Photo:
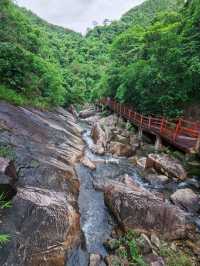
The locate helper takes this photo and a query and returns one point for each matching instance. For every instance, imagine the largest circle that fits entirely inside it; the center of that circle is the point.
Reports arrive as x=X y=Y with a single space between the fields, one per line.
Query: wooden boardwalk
x=180 y=133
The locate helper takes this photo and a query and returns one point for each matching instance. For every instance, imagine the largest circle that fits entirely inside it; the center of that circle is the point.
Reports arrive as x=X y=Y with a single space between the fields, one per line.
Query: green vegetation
x=6 y=152
x=128 y=249
x=150 y=59
x=174 y=258
x=131 y=248
x=156 y=68
x=4 y=204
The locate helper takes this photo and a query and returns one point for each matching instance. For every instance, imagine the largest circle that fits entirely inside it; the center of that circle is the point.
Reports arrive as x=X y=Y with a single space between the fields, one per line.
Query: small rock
x=161 y=179
x=112 y=244
x=142 y=163
x=73 y=111
x=145 y=244
x=154 y=260
x=95 y=260
x=187 y=199
x=194 y=246
x=85 y=161
x=122 y=139
x=155 y=240
x=190 y=183
x=173 y=246
x=7 y=167
x=113 y=260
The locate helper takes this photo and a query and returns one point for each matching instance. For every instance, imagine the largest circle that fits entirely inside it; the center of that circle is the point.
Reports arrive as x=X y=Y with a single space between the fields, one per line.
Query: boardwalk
x=182 y=134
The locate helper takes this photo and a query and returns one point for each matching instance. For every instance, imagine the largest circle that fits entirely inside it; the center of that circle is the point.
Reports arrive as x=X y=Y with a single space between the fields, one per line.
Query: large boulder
x=87 y=113
x=121 y=149
x=46 y=226
x=43 y=221
x=136 y=208
x=99 y=138
x=187 y=199
x=166 y=165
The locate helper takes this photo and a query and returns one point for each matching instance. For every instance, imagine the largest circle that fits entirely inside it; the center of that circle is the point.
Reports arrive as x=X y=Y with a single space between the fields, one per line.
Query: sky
x=78 y=15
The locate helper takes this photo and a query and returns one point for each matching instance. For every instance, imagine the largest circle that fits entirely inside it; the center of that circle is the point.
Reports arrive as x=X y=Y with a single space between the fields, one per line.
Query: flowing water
x=96 y=221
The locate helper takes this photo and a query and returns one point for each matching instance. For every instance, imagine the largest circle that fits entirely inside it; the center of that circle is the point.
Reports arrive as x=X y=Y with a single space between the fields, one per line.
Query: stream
x=96 y=221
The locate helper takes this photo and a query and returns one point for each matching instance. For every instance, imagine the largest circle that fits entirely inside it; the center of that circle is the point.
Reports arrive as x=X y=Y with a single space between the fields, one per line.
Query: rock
x=155 y=240
x=73 y=111
x=129 y=182
x=154 y=260
x=166 y=165
x=87 y=113
x=142 y=163
x=140 y=210
x=122 y=139
x=98 y=135
x=98 y=149
x=190 y=183
x=120 y=149
x=7 y=167
x=112 y=244
x=194 y=246
x=88 y=163
x=113 y=260
x=145 y=244
x=186 y=199
x=95 y=260
x=109 y=121
x=153 y=178
x=43 y=221
x=92 y=120
x=43 y=236
x=99 y=138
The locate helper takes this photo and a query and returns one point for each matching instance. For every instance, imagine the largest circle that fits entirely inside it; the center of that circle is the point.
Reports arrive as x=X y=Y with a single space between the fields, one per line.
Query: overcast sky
x=78 y=14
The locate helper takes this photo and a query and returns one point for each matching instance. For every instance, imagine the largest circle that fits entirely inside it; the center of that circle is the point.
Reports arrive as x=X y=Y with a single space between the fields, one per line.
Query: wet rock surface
x=67 y=192
x=43 y=222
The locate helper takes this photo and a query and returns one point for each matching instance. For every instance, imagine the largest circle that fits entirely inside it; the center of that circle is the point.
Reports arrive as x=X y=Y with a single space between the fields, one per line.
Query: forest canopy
x=149 y=58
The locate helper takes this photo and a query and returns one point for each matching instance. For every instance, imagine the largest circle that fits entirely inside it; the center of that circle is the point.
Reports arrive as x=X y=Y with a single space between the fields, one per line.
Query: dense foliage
x=149 y=58
x=156 y=68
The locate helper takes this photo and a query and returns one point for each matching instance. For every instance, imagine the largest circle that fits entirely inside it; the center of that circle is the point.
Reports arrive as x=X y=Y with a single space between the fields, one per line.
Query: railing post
x=178 y=126
x=197 y=146
x=162 y=125
x=129 y=114
x=149 y=122
x=141 y=120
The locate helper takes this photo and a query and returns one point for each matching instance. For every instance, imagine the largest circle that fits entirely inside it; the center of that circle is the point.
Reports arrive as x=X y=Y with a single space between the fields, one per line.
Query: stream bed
x=96 y=221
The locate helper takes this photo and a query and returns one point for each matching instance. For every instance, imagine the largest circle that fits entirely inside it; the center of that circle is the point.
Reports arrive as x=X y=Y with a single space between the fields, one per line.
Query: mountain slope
x=46 y=65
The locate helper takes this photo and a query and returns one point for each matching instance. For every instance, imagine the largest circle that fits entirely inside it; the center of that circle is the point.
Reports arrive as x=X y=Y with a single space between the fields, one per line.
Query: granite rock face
x=43 y=222
x=138 y=209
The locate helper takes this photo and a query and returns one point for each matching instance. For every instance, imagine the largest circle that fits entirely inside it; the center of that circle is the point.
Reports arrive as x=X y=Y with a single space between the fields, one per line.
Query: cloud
x=78 y=14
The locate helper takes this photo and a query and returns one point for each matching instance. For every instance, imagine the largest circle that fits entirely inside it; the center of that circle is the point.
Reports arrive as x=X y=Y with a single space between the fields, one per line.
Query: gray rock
x=155 y=178
x=135 y=208
x=166 y=165
x=43 y=222
x=145 y=244
x=186 y=199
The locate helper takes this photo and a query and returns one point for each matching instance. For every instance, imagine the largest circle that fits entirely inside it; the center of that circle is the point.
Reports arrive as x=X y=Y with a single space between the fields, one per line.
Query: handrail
x=177 y=131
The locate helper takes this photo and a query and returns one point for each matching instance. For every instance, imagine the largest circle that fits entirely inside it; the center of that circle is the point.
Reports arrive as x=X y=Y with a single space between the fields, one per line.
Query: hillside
x=46 y=65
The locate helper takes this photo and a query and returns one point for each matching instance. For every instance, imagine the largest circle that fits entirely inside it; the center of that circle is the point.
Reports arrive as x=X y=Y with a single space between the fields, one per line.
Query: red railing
x=181 y=133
